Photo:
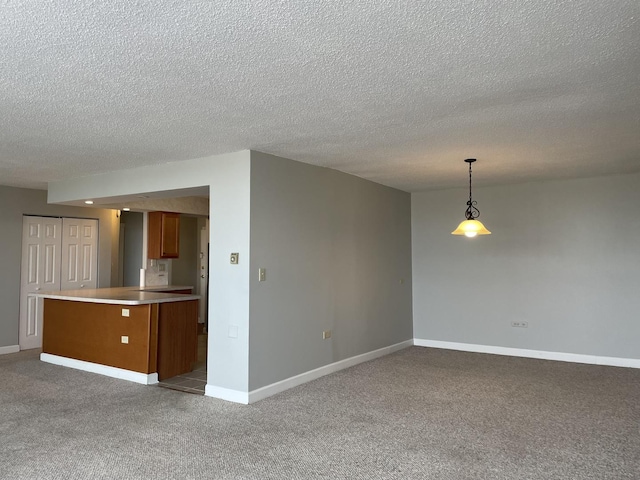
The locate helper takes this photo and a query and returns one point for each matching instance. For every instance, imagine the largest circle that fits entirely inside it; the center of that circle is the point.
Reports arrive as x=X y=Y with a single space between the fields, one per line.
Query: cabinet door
x=170 y=235
x=163 y=235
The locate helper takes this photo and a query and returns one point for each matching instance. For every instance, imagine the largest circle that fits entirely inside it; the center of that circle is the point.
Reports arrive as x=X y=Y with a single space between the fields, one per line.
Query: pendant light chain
x=472 y=212
x=470 y=201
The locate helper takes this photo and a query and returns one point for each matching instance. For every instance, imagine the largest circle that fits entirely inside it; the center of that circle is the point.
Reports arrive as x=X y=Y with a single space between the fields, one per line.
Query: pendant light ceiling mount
x=471 y=226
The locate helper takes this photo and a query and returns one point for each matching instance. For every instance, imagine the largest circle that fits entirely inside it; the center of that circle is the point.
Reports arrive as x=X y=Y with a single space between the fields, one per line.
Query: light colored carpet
x=418 y=413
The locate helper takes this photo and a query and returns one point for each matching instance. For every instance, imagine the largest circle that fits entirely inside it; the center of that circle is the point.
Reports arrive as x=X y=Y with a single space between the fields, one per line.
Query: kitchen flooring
x=194 y=381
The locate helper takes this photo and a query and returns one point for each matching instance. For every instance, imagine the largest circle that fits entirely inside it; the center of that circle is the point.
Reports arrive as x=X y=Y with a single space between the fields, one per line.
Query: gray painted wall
x=184 y=269
x=563 y=256
x=132 y=250
x=335 y=248
x=17 y=202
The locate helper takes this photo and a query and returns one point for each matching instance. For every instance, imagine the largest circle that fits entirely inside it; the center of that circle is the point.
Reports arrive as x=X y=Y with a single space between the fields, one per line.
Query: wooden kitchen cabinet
x=160 y=337
x=163 y=235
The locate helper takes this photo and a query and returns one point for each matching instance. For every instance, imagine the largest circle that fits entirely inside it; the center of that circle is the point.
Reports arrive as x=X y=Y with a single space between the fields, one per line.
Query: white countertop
x=161 y=288
x=122 y=295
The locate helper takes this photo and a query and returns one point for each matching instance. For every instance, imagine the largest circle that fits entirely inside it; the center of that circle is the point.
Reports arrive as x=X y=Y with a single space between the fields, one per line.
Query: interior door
x=203 y=274
x=79 y=253
x=40 y=271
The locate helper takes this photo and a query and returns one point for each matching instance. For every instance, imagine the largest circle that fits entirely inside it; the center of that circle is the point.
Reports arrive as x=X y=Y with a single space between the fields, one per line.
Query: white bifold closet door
x=40 y=271
x=79 y=253
x=57 y=254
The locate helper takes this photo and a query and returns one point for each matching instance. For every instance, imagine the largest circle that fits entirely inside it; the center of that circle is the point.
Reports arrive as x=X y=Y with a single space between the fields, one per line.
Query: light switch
x=125 y=312
x=262 y=274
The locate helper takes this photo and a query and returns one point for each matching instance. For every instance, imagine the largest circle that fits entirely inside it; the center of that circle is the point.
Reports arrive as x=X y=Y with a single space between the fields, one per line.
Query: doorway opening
x=189 y=271
x=194 y=229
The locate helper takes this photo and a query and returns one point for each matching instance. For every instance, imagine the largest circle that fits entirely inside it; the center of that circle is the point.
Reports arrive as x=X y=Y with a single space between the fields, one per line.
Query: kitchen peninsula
x=142 y=334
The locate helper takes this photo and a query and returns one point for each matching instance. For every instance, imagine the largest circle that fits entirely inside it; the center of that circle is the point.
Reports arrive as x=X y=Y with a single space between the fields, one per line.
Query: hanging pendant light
x=471 y=227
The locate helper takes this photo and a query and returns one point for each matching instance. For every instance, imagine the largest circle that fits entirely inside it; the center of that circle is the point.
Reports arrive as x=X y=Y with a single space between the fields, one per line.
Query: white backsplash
x=157 y=273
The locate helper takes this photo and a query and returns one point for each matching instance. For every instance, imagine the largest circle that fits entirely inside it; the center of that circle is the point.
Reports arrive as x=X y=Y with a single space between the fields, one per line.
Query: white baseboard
x=269 y=390
x=541 y=354
x=227 y=394
x=291 y=382
x=9 y=349
x=137 y=377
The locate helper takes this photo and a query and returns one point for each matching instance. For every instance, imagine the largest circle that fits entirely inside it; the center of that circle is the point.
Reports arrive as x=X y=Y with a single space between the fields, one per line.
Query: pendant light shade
x=471 y=226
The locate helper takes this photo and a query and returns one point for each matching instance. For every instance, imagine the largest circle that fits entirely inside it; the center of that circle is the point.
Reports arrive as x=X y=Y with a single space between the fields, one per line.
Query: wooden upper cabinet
x=163 y=235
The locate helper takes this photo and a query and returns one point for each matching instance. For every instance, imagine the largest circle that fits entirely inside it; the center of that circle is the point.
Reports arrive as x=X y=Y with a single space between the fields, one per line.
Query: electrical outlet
x=234 y=258
x=326 y=334
x=125 y=312
x=124 y=339
x=520 y=324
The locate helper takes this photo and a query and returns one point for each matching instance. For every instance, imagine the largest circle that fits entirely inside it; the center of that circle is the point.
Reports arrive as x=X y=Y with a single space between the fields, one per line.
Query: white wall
x=335 y=248
x=563 y=257
x=17 y=202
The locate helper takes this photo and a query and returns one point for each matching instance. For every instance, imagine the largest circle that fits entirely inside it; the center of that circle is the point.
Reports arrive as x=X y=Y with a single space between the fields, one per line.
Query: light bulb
x=470 y=234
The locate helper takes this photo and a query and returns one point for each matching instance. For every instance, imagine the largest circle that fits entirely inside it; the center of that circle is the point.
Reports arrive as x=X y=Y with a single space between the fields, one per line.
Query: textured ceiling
x=392 y=91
